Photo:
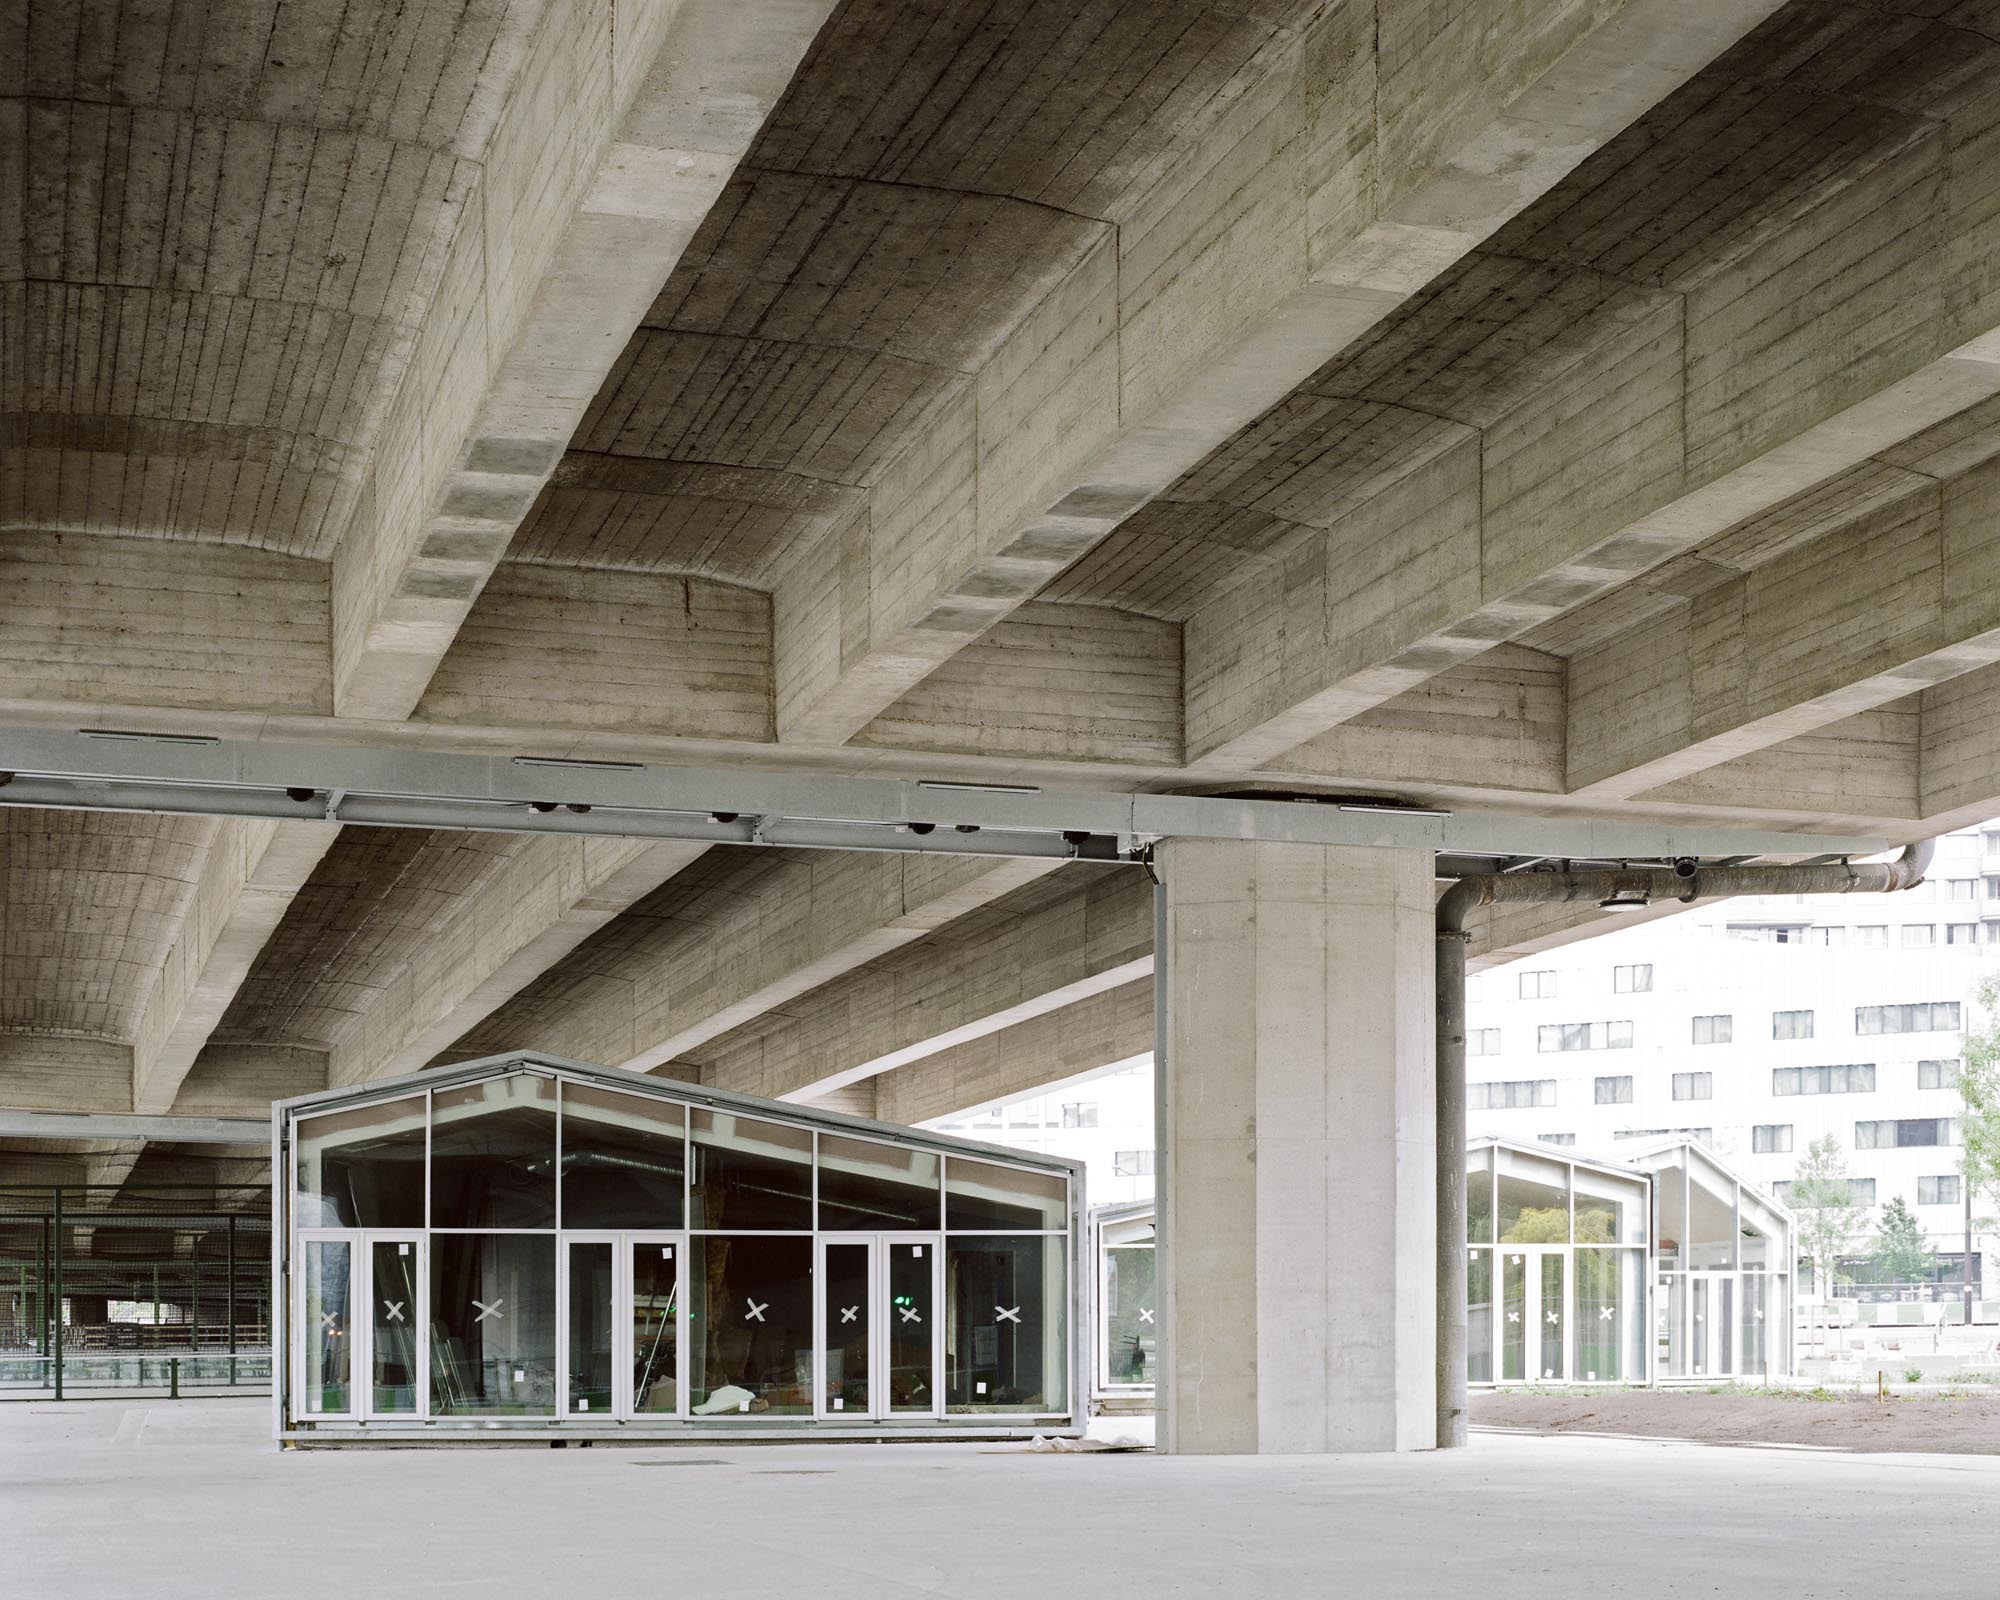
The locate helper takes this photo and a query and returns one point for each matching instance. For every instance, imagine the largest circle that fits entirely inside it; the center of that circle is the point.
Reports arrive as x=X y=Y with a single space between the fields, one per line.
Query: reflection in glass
x=1549 y=1314
x=493 y=1154
x=624 y=1160
x=1479 y=1197
x=363 y=1168
x=912 y=1319
x=979 y=1194
x=590 y=1313
x=749 y=1173
x=1513 y=1316
x=849 y=1316
x=750 y=1325
x=397 y=1303
x=656 y=1281
x=1479 y=1316
x=1131 y=1309
x=493 y=1324
x=327 y=1326
x=1534 y=1201
x=1754 y=1348
x=1005 y=1338
x=869 y=1187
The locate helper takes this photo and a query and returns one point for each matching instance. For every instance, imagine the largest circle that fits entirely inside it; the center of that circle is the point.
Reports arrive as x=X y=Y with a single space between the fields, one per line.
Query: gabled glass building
x=527 y=1243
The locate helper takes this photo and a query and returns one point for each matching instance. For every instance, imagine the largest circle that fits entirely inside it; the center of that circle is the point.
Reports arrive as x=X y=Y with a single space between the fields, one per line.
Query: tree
x=1978 y=1084
x=1823 y=1202
x=1901 y=1253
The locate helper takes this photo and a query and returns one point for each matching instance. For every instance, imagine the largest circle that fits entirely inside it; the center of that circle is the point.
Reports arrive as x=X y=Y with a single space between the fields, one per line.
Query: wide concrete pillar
x=1298 y=1149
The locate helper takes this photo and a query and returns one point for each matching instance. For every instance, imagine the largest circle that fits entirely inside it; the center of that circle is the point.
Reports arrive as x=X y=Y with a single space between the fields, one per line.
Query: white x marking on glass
x=1513 y=1316
x=392 y=1311
x=1145 y=1315
x=1604 y=1315
x=909 y=1313
x=756 y=1312
x=328 y=1318
x=849 y=1313
x=486 y=1311
x=1553 y=1319
x=1005 y=1315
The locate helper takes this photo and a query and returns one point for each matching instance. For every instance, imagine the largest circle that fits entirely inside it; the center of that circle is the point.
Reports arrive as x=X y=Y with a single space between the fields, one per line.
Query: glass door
x=394 y=1297
x=914 y=1329
x=589 y=1321
x=1516 y=1316
x=652 y=1324
x=847 y=1312
x=1712 y=1334
x=324 y=1319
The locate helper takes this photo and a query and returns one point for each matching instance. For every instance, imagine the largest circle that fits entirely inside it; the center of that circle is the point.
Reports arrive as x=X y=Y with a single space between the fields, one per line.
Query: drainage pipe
x=1687 y=882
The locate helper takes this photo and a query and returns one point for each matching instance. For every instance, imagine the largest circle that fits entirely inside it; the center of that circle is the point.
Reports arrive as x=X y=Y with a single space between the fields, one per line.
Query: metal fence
x=156 y=1286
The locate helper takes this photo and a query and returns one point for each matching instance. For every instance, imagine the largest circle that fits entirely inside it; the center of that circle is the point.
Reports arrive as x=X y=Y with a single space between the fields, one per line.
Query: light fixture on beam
x=1625 y=900
x=1389 y=808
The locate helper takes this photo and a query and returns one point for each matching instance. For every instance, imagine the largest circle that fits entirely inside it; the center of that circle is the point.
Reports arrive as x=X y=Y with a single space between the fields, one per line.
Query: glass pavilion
x=1665 y=1269
x=529 y=1242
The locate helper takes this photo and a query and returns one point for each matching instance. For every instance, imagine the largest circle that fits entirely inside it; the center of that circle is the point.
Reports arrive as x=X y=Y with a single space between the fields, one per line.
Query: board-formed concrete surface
x=190 y=1500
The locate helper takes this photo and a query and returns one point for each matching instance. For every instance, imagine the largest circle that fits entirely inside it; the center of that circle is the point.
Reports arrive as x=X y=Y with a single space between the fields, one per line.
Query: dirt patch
x=1953 y=1422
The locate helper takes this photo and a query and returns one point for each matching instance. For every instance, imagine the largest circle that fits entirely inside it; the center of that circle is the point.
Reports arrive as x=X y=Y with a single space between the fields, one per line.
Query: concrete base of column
x=1298 y=1150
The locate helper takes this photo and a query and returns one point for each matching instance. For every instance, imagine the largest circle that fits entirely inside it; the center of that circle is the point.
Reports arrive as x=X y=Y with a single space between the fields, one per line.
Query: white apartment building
x=1759 y=1025
x=1104 y=1121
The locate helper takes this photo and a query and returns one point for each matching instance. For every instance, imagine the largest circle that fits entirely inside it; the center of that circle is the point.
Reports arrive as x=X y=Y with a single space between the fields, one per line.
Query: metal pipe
x=57 y=1337
x=1635 y=887
x=1451 y=1292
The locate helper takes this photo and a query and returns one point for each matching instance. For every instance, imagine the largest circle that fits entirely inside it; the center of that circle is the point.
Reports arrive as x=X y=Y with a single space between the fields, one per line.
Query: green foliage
x=1901 y=1253
x=1978 y=1084
x=1539 y=1225
x=1829 y=1220
x=1913 y=1375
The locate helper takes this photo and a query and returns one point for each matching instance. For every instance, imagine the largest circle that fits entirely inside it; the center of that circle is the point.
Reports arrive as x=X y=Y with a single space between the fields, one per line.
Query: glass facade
x=531 y=1241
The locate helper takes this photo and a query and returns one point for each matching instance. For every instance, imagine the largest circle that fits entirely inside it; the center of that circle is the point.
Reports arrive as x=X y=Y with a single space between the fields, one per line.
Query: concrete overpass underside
x=1579 y=409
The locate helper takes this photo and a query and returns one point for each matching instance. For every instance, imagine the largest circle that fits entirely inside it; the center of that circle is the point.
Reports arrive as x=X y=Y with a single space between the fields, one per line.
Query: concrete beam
x=1084 y=932
x=1897 y=596
x=743 y=934
x=1362 y=157
x=1027 y=1057
x=252 y=872
x=1648 y=400
x=611 y=150
x=113 y=1125
x=526 y=918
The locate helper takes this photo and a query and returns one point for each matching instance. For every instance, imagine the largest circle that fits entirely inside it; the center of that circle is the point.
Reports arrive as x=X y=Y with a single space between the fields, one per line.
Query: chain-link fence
x=160 y=1286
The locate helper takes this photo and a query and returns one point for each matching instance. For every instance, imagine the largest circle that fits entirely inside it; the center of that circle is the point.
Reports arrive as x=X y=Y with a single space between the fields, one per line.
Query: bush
x=1913 y=1375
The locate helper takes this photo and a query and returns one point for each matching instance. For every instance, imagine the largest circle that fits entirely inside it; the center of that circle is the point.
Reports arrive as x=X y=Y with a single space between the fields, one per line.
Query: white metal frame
x=362 y=1292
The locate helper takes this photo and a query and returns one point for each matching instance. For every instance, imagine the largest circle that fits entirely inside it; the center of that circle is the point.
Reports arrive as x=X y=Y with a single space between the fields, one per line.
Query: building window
x=1081 y=1115
x=1694 y=1086
x=1561 y=1036
x=1637 y=979
x=1905 y=1133
x=1703 y=1135
x=1614 y=1091
x=1781 y=1191
x=1835 y=937
x=1714 y=1030
x=1875 y=937
x=1961 y=933
x=1934 y=1016
x=1791 y=1024
x=1538 y=985
x=1768 y=933
x=1936 y=1074
x=1919 y=936
x=1993 y=886
x=1555 y=1138
x=1964 y=888
x=1771 y=1139
x=1511 y=1096
x=1853 y=1078
x=1133 y=1164
x=1939 y=1191
x=1861 y=1191
x=1482 y=1041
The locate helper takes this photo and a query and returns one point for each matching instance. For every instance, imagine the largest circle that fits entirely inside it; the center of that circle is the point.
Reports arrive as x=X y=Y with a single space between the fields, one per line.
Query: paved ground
x=189 y=1500
x=1948 y=1421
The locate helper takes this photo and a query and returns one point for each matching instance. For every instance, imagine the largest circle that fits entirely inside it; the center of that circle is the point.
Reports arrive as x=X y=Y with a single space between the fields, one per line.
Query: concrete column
x=1298 y=1150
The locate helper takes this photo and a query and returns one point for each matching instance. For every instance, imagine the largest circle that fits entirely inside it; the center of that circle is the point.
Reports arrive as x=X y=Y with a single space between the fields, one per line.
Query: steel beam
x=101 y=770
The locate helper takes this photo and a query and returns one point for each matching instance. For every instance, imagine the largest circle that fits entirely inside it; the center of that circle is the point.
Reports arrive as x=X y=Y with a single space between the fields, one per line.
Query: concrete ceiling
x=1587 y=408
